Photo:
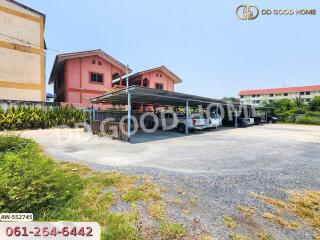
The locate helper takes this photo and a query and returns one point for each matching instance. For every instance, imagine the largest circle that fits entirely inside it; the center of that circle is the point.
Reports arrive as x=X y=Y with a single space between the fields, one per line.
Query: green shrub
x=313 y=114
x=309 y=120
x=17 y=118
x=314 y=104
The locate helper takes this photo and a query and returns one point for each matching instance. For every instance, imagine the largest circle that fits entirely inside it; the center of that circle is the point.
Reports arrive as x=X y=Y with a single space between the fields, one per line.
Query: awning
x=154 y=96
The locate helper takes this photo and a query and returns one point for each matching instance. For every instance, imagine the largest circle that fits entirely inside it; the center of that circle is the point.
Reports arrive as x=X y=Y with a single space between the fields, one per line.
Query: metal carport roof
x=154 y=96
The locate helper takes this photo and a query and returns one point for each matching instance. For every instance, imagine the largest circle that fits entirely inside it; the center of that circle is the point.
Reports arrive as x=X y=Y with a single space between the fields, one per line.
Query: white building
x=22 y=52
x=257 y=97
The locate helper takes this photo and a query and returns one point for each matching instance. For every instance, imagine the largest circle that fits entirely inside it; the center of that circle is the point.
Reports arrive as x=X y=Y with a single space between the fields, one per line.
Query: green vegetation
x=57 y=191
x=308 y=120
x=18 y=118
x=172 y=231
x=156 y=211
x=234 y=236
x=229 y=222
x=297 y=110
x=32 y=182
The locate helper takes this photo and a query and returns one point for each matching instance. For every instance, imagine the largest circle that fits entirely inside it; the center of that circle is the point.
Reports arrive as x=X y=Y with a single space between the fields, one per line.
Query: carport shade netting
x=154 y=96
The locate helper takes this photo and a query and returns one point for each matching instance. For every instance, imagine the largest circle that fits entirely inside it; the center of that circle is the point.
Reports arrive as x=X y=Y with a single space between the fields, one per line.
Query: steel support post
x=187 y=117
x=129 y=115
x=236 y=119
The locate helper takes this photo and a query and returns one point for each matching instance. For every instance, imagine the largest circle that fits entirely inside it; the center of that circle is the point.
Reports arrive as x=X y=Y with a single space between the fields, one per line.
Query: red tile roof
x=281 y=90
x=61 y=58
x=165 y=70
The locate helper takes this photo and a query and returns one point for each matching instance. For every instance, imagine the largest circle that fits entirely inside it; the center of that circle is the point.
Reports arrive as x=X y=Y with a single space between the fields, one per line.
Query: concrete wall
x=21 y=53
x=5 y=104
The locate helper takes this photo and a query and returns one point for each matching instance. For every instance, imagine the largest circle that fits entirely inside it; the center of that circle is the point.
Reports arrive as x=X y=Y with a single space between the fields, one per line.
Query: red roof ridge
x=281 y=90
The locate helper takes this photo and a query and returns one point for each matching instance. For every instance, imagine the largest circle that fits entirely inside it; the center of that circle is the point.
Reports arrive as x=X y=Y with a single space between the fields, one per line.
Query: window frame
x=96 y=73
x=161 y=84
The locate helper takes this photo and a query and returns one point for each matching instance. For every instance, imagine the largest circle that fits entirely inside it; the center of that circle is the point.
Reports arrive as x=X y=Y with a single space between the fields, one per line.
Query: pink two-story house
x=79 y=76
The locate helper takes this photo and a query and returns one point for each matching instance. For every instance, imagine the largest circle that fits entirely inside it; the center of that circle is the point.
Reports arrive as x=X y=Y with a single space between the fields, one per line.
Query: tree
x=314 y=104
x=231 y=99
x=300 y=105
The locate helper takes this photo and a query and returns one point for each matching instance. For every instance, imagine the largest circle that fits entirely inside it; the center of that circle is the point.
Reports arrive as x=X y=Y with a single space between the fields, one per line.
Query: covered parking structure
x=149 y=96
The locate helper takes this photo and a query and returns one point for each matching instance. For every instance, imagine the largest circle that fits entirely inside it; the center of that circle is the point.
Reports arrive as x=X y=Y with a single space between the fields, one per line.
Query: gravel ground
x=217 y=170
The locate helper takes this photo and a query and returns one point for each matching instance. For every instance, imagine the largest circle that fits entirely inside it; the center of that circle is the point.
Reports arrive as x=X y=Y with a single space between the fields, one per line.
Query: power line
x=30 y=43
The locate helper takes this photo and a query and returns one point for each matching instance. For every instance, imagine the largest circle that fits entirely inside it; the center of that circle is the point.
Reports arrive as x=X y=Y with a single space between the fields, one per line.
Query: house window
x=99 y=63
x=258 y=95
x=93 y=61
x=286 y=94
x=96 y=78
x=159 y=86
x=308 y=93
x=253 y=95
x=241 y=96
x=271 y=95
x=161 y=75
x=301 y=93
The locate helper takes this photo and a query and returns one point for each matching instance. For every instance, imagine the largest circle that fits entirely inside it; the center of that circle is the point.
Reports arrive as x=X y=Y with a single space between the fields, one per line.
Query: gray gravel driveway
x=218 y=170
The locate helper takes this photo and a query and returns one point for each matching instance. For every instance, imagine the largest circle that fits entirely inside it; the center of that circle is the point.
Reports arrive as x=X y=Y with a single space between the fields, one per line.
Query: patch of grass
x=120 y=227
x=262 y=235
x=31 y=182
x=156 y=211
x=306 y=205
x=271 y=201
x=206 y=237
x=172 y=231
x=54 y=191
x=229 y=222
x=76 y=168
x=280 y=221
x=133 y=195
x=248 y=212
x=234 y=236
x=146 y=191
x=175 y=201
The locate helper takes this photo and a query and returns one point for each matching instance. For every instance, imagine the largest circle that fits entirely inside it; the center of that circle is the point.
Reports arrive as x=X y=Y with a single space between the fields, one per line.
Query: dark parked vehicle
x=241 y=122
x=270 y=119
